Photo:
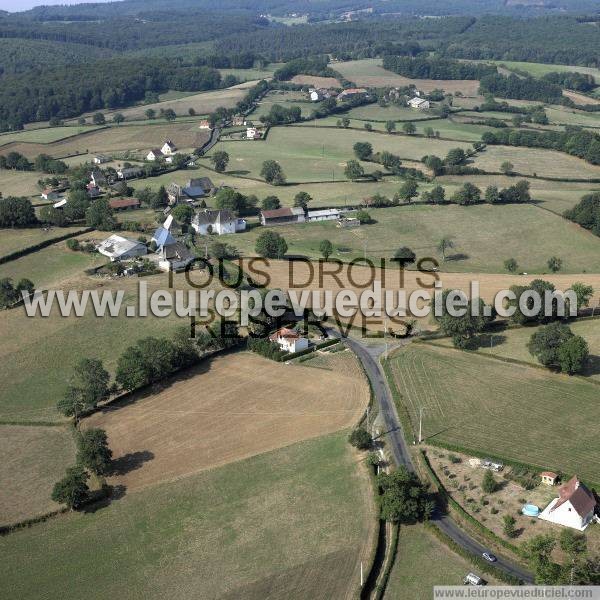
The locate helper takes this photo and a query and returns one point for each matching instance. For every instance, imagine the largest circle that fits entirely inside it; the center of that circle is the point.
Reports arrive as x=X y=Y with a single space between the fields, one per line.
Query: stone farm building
x=220 y=222
x=195 y=189
x=124 y=203
x=282 y=216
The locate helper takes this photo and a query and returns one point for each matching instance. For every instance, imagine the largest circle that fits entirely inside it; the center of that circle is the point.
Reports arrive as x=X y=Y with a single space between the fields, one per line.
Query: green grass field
x=45 y=135
x=374 y=112
x=512 y=343
x=12 y=240
x=422 y=561
x=540 y=69
x=287 y=99
x=530 y=161
x=306 y=156
x=511 y=411
x=34 y=459
x=251 y=74
x=565 y=116
x=20 y=183
x=480 y=235
x=288 y=523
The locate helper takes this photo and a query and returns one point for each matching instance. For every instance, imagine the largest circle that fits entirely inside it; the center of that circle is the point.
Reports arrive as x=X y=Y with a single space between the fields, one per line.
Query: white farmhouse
x=289 y=340
x=168 y=148
x=154 y=154
x=174 y=256
x=120 y=248
x=419 y=103
x=220 y=222
x=574 y=506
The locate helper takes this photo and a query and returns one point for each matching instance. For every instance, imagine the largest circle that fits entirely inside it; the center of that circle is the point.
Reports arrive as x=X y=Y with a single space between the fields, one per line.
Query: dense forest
x=70 y=91
x=521 y=88
x=435 y=68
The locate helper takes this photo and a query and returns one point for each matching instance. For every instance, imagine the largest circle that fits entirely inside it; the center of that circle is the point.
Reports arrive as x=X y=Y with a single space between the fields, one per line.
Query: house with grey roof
x=117 y=247
x=220 y=222
x=195 y=189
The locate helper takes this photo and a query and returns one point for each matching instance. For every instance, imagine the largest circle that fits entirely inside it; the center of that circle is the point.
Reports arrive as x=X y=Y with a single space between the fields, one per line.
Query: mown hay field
x=19 y=183
x=305 y=156
x=34 y=458
x=45 y=135
x=368 y=72
x=321 y=82
x=135 y=138
x=12 y=240
x=226 y=409
x=530 y=161
x=479 y=234
x=509 y=410
x=294 y=523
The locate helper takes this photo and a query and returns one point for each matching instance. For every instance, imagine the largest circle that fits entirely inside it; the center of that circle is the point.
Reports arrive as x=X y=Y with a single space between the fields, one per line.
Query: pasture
x=532 y=161
x=32 y=378
x=313 y=80
x=512 y=411
x=306 y=157
x=479 y=234
x=34 y=458
x=45 y=135
x=134 y=138
x=19 y=183
x=12 y=240
x=294 y=523
x=368 y=72
x=412 y=575
x=287 y=99
x=267 y=404
x=512 y=343
x=567 y=116
x=392 y=112
x=541 y=69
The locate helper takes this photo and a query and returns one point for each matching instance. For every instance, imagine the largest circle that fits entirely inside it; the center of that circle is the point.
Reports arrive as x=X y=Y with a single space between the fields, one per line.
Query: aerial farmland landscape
x=299 y=299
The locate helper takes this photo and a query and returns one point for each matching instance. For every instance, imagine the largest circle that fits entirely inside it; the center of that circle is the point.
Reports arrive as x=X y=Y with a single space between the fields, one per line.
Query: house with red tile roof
x=574 y=507
x=289 y=340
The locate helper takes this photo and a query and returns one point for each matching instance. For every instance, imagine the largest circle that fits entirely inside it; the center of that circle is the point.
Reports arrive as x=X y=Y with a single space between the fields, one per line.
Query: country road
x=369 y=356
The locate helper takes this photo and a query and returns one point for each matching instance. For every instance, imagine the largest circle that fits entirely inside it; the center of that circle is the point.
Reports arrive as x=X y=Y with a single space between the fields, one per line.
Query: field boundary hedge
x=41 y=245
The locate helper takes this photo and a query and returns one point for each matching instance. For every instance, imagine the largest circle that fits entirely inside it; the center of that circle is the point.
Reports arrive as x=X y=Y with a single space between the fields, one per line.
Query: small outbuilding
x=117 y=247
x=282 y=216
x=549 y=478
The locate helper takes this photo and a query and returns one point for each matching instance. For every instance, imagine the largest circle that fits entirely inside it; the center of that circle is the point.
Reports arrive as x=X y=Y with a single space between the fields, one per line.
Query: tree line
x=521 y=88
x=435 y=68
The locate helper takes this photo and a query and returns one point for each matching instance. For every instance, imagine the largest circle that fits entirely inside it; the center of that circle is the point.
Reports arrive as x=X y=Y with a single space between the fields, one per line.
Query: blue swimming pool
x=530 y=510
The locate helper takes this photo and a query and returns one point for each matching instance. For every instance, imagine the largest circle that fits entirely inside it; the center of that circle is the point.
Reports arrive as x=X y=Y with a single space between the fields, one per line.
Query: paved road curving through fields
x=369 y=357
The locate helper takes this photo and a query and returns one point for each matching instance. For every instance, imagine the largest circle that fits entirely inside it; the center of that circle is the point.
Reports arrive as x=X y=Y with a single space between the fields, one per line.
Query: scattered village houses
x=124 y=203
x=282 y=216
x=351 y=92
x=168 y=148
x=419 y=103
x=100 y=159
x=253 y=133
x=574 y=506
x=238 y=121
x=117 y=247
x=50 y=194
x=204 y=124
x=129 y=172
x=318 y=94
x=219 y=222
x=289 y=340
x=97 y=178
x=196 y=188
x=93 y=191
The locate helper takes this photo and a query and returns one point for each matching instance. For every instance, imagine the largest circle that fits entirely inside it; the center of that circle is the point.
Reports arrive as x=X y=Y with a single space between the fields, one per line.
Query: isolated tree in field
x=368 y=127
x=390 y=126
x=492 y=195
x=444 y=245
x=272 y=172
x=584 y=294
x=271 y=203
x=354 y=170
x=508 y=526
x=405 y=255
x=72 y=489
x=270 y=244
x=220 y=160
x=555 y=264
x=93 y=452
x=363 y=217
x=507 y=167
x=573 y=354
x=89 y=385
x=183 y=213
x=98 y=119
x=363 y=150
x=150 y=113
x=301 y=200
x=456 y=156
x=191 y=111
x=489 y=484
x=408 y=190
x=429 y=132
x=403 y=497
x=118 y=118
x=434 y=163
x=326 y=248
x=345 y=122
x=169 y=114
x=360 y=438
x=511 y=265
x=409 y=128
